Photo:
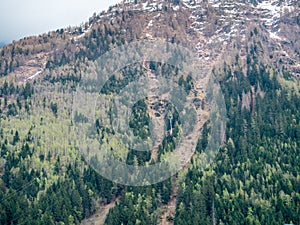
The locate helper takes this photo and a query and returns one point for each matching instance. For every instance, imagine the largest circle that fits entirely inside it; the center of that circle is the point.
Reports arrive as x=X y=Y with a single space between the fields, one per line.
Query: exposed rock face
x=211 y=28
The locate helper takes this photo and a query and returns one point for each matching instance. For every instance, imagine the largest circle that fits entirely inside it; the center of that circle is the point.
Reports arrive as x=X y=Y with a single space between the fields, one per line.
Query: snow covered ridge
x=144 y=5
x=274 y=9
x=151 y=5
x=274 y=5
x=232 y=14
x=268 y=12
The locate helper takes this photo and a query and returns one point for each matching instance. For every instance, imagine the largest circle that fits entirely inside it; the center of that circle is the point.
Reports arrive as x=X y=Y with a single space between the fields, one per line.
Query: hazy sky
x=20 y=18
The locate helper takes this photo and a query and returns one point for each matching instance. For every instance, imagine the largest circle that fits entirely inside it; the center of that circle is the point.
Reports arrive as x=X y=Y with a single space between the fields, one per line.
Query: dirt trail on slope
x=187 y=147
x=169 y=210
x=99 y=217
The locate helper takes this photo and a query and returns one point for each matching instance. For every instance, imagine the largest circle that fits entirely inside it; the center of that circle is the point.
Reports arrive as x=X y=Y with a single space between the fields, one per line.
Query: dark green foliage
x=12 y=109
x=98 y=184
x=254 y=180
x=16 y=138
x=28 y=90
x=54 y=109
x=78 y=117
x=176 y=2
x=140 y=157
x=140 y=120
x=138 y=204
x=127 y=74
x=62 y=199
x=203 y=141
x=64 y=78
x=129 y=212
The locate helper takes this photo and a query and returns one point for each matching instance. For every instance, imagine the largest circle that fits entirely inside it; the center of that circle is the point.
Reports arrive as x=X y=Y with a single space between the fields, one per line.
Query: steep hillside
x=253 y=50
x=208 y=25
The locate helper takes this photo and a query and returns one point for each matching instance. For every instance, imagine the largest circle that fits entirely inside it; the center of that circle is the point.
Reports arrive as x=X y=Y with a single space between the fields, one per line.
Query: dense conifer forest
x=254 y=178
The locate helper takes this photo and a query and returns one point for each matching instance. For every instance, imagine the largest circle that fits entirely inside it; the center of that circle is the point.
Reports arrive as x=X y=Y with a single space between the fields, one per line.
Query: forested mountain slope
x=251 y=47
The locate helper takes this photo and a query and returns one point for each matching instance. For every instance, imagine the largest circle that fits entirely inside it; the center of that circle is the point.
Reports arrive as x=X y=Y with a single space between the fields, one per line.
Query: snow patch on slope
x=33 y=76
x=274 y=35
